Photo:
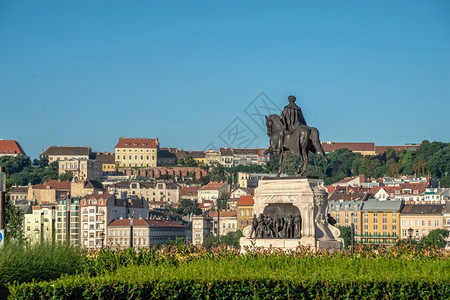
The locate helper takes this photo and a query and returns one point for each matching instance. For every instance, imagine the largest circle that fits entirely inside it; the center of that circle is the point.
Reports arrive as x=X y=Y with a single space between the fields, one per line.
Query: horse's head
x=273 y=122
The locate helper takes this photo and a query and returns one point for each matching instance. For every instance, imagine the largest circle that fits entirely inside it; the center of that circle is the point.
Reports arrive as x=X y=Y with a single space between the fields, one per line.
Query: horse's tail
x=316 y=142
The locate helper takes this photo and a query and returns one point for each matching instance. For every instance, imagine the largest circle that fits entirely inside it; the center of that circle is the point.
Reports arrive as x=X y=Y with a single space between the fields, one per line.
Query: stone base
x=288 y=244
x=282 y=197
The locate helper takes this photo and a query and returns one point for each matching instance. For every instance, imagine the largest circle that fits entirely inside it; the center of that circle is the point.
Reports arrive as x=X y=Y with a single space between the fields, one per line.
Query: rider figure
x=292 y=116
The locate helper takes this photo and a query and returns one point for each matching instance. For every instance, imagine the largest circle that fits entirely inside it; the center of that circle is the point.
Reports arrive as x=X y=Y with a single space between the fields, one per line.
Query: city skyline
x=88 y=73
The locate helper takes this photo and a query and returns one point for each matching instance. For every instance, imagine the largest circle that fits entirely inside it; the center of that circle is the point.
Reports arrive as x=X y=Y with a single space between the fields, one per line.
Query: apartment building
x=137 y=152
x=98 y=210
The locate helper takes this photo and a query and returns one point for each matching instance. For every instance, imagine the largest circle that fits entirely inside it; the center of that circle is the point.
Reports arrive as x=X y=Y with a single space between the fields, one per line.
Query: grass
x=293 y=269
x=39 y=262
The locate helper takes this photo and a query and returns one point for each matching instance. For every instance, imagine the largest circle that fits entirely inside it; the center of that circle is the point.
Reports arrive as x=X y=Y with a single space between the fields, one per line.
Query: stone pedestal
x=305 y=196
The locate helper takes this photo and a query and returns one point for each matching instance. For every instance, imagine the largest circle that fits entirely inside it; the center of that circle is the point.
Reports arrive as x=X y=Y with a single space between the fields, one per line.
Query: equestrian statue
x=290 y=133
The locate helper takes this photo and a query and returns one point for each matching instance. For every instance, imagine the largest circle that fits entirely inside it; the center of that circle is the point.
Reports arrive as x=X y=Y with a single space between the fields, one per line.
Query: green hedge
x=264 y=277
x=110 y=288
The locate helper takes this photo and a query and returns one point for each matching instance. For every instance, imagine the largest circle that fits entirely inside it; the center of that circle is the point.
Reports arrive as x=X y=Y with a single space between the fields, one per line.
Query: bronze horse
x=299 y=141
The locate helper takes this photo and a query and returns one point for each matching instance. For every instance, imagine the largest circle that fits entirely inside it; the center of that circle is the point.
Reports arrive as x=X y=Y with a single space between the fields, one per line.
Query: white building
x=98 y=210
x=212 y=191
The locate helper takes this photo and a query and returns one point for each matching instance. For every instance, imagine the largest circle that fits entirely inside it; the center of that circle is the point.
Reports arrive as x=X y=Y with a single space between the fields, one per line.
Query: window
x=436 y=223
x=429 y=223
x=423 y=223
x=404 y=232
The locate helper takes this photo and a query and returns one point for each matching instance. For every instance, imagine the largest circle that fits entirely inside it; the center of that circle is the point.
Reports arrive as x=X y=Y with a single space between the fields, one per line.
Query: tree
x=13 y=218
x=188 y=161
x=420 y=168
x=68 y=175
x=188 y=207
x=435 y=238
x=394 y=170
x=346 y=234
x=217 y=173
x=222 y=201
x=290 y=164
x=230 y=239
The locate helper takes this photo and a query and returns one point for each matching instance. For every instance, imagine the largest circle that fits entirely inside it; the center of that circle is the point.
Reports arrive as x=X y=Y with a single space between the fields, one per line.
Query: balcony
x=100 y=213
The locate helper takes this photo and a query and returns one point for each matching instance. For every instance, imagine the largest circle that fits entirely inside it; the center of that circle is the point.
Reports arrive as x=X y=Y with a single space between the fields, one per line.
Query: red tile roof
x=137 y=143
x=54 y=184
x=224 y=214
x=331 y=146
x=212 y=186
x=10 y=147
x=382 y=149
x=226 y=151
x=189 y=190
x=245 y=200
x=19 y=190
x=144 y=222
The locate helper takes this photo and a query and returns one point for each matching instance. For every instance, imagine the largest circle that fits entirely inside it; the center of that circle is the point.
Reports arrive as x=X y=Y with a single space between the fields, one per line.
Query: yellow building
x=380 y=222
x=374 y=221
x=198 y=156
x=245 y=212
x=137 y=152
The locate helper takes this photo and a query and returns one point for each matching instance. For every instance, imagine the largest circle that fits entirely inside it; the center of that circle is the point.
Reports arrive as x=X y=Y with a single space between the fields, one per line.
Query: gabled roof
x=105 y=158
x=245 y=200
x=92 y=184
x=19 y=190
x=196 y=154
x=54 y=184
x=67 y=150
x=189 y=190
x=226 y=151
x=10 y=147
x=212 y=186
x=137 y=143
x=423 y=209
x=165 y=154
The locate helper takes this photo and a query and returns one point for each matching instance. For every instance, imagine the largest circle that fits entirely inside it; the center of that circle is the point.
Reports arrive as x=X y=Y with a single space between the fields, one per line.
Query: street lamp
x=410 y=233
x=102 y=238
x=352 y=237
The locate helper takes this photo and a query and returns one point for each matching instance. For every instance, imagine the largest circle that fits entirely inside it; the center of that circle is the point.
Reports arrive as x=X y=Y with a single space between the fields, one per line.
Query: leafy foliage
x=435 y=238
x=21 y=172
x=187 y=207
x=346 y=234
x=39 y=262
x=217 y=173
x=185 y=271
x=230 y=239
x=188 y=161
x=430 y=157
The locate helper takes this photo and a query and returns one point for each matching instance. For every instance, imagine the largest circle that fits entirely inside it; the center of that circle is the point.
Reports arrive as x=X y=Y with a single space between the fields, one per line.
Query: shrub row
x=113 y=288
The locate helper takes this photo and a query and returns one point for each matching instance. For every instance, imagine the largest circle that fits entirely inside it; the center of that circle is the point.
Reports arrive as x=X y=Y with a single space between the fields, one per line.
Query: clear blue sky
x=88 y=72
